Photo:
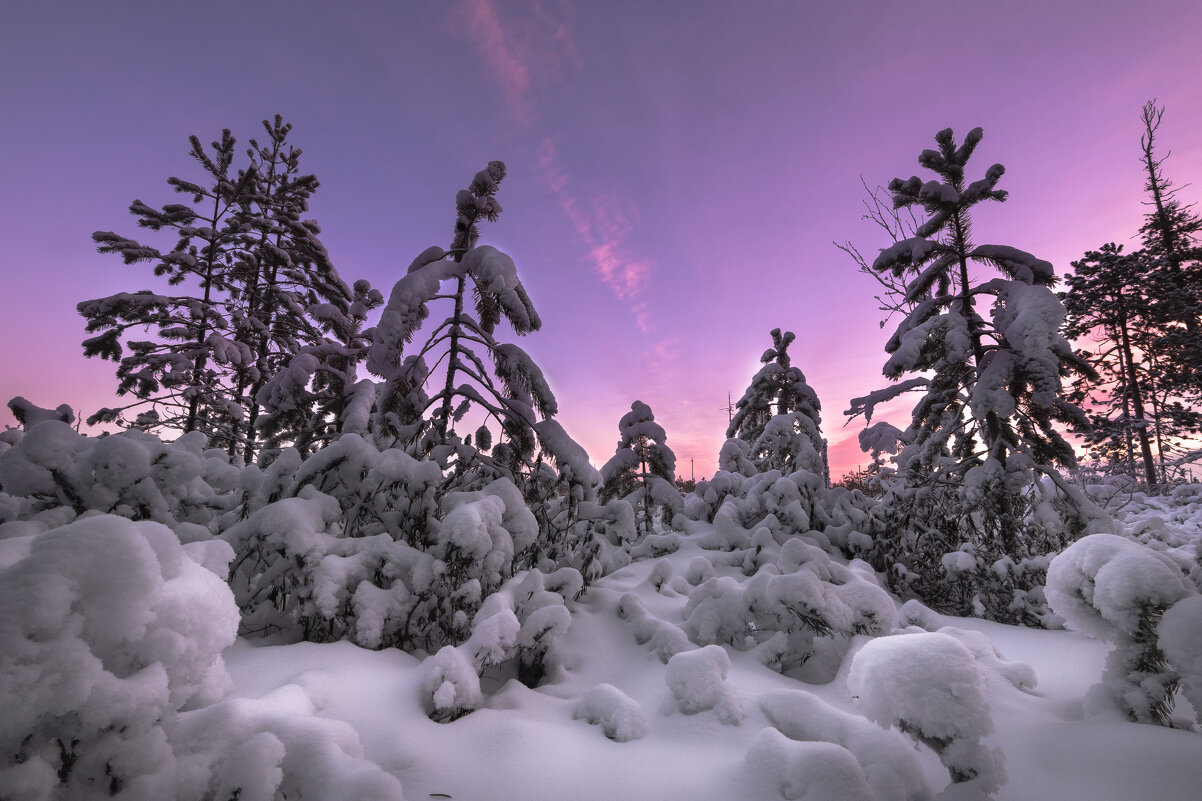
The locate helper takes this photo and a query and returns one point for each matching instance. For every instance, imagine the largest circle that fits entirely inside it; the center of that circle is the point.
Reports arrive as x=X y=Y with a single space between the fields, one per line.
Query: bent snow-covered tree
x=779 y=390
x=983 y=433
x=643 y=468
x=445 y=381
x=257 y=288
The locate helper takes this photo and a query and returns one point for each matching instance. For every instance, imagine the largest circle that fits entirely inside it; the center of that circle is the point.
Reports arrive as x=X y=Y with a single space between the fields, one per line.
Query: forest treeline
x=256 y=342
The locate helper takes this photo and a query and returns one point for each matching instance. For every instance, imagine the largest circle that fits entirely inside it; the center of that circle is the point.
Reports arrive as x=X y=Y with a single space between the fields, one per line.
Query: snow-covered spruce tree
x=427 y=392
x=780 y=390
x=302 y=321
x=968 y=503
x=258 y=287
x=642 y=469
x=1109 y=300
x=446 y=382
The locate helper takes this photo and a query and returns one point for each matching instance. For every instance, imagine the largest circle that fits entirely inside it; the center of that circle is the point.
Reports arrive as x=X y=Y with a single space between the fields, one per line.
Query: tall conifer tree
x=983 y=431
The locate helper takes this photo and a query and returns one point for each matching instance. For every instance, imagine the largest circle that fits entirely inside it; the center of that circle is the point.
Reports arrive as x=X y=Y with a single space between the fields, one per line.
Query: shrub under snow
x=1180 y=637
x=1115 y=589
x=697 y=680
x=111 y=634
x=809 y=771
x=929 y=686
x=618 y=715
x=107 y=629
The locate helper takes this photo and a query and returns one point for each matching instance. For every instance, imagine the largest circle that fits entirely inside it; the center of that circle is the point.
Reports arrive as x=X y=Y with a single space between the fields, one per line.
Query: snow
x=697 y=680
x=888 y=760
x=812 y=771
x=618 y=715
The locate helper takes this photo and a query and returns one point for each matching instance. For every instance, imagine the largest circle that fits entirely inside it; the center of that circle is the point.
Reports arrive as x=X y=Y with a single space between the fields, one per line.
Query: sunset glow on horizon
x=678 y=173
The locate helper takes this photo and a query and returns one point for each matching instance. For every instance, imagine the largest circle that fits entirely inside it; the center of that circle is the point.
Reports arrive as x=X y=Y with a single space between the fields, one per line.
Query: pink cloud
x=603 y=227
x=844 y=454
x=500 y=55
x=514 y=51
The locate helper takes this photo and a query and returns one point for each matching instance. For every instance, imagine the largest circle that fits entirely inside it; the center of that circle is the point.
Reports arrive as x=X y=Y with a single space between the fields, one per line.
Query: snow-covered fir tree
x=779 y=390
x=984 y=433
x=429 y=391
x=433 y=390
x=258 y=288
x=642 y=469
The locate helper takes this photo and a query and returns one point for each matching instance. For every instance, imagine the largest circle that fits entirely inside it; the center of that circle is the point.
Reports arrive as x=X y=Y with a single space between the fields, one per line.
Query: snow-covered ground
x=1061 y=739
x=721 y=664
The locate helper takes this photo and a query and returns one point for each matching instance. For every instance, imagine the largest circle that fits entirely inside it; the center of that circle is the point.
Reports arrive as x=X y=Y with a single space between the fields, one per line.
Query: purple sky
x=677 y=170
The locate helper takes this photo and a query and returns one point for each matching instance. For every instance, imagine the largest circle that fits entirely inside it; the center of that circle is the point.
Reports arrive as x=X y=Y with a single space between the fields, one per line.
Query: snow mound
x=618 y=715
x=887 y=759
x=697 y=680
x=813 y=771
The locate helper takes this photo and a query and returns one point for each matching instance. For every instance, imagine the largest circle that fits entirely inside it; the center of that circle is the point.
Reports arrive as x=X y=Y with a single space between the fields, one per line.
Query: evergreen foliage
x=1170 y=234
x=1133 y=418
x=779 y=390
x=259 y=295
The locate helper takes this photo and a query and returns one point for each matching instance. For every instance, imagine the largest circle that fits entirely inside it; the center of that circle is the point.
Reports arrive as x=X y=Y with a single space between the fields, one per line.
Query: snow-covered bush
x=1112 y=588
x=452 y=684
x=517 y=625
x=414 y=578
x=704 y=502
x=111 y=680
x=697 y=680
x=274 y=747
x=107 y=629
x=618 y=715
x=796 y=595
x=1180 y=638
x=132 y=474
x=664 y=639
x=929 y=686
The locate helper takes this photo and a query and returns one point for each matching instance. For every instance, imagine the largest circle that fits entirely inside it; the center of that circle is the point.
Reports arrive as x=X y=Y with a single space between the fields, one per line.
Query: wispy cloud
x=502 y=56
x=602 y=224
x=536 y=43
x=513 y=50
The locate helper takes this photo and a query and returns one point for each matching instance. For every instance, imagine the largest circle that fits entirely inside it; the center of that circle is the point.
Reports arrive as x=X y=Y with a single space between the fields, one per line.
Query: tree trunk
x=444 y=418
x=1145 y=447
